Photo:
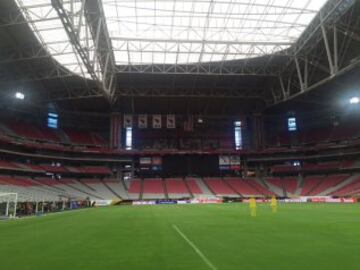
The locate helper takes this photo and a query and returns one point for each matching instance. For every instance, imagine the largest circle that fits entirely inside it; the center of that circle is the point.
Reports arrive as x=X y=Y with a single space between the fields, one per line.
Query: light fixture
x=354 y=100
x=19 y=95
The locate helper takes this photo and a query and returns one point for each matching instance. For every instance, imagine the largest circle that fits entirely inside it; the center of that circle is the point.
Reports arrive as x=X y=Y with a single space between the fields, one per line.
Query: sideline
x=45 y=215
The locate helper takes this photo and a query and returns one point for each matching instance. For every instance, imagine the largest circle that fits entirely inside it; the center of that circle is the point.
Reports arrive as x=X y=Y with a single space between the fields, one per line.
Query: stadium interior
x=118 y=102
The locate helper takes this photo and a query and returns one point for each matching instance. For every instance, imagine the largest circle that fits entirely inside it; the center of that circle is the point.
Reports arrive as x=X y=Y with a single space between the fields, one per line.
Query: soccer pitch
x=201 y=237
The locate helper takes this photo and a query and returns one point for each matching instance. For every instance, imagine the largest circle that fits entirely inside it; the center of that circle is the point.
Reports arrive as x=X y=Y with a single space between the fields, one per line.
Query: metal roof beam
x=95 y=17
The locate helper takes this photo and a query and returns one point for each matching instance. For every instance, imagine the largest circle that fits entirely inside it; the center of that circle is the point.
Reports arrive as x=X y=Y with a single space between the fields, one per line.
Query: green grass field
x=302 y=237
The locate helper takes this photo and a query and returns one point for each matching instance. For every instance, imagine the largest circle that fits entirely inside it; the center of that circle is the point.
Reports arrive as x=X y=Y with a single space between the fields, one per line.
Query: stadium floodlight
x=354 y=100
x=19 y=95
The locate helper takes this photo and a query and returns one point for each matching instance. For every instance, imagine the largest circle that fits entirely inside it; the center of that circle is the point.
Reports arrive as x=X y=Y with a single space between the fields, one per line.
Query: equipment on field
x=8 y=203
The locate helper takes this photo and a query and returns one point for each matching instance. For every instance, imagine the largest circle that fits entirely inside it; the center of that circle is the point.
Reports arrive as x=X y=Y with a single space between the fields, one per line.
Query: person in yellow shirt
x=273 y=204
x=252 y=205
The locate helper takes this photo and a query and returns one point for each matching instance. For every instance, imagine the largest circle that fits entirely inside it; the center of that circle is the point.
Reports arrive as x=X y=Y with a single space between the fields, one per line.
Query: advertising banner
x=156 y=121
x=170 y=121
x=128 y=120
x=142 y=121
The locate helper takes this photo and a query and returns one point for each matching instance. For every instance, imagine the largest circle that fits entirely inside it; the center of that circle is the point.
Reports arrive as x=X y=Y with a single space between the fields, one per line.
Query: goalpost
x=8 y=204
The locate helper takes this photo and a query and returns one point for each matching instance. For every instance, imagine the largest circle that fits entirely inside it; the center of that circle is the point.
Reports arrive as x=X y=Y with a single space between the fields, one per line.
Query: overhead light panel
x=354 y=100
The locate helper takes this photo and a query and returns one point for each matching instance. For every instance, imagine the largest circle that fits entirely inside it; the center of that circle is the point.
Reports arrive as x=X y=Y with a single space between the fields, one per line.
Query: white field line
x=195 y=248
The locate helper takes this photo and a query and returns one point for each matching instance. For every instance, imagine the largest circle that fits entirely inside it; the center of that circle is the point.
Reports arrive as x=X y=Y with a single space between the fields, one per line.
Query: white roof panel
x=204 y=30
x=178 y=31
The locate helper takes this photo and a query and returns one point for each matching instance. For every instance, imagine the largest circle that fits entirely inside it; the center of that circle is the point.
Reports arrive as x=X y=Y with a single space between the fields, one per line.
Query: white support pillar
x=15 y=204
x=283 y=88
x=306 y=74
x=336 y=52
x=7 y=208
x=328 y=51
x=299 y=74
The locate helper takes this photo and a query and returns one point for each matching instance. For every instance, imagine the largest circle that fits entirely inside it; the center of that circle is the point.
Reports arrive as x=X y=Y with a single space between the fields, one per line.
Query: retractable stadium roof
x=266 y=51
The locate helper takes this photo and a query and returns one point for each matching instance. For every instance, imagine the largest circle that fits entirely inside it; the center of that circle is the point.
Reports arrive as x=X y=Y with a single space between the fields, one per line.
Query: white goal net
x=8 y=203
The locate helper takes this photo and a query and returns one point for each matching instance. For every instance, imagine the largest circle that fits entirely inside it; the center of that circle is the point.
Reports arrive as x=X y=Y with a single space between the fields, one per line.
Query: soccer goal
x=8 y=203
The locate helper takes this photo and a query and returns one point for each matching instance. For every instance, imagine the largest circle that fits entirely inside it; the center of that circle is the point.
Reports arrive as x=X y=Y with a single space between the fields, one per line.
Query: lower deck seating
x=42 y=188
x=176 y=188
x=289 y=185
x=258 y=187
x=153 y=188
x=219 y=187
x=117 y=186
x=327 y=182
x=247 y=187
x=29 y=190
x=97 y=187
x=352 y=188
x=310 y=183
x=193 y=186
x=134 y=189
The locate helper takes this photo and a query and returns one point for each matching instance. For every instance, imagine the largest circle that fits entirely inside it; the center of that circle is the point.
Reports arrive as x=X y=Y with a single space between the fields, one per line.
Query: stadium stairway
x=204 y=188
x=118 y=187
x=176 y=188
x=232 y=188
x=63 y=136
x=86 y=186
x=6 y=130
x=290 y=186
x=316 y=186
x=310 y=183
x=111 y=190
x=218 y=186
x=165 y=189
x=99 y=188
x=135 y=189
x=188 y=188
x=72 y=187
x=194 y=187
x=300 y=185
x=275 y=187
x=141 y=193
x=257 y=185
x=245 y=187
x=126 y=184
